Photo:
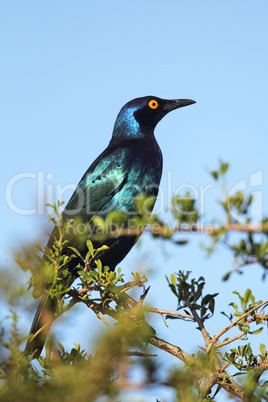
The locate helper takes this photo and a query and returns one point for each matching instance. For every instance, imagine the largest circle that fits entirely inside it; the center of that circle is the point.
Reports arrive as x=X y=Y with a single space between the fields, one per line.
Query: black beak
x=176 y=103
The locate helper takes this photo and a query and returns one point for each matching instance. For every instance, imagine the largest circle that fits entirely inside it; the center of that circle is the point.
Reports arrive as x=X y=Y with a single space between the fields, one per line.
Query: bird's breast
x=144 y=169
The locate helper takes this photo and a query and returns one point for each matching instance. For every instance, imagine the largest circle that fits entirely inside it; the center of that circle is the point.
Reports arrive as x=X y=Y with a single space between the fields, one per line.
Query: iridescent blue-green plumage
x=130 y=166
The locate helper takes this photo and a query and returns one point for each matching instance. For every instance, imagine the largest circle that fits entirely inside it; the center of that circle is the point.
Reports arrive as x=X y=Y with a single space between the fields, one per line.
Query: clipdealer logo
x=48 y=192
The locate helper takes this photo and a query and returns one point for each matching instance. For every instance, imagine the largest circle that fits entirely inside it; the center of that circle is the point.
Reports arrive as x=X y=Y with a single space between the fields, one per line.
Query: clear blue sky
x=67 y=67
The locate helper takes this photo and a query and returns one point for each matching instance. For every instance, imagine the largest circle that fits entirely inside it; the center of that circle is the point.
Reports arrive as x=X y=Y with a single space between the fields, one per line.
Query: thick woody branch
x=215 y=377
x=175 y=351
x=157 y=229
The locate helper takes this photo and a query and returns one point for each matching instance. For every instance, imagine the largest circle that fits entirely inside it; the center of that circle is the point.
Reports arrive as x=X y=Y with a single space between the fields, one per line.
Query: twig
x=100 y=317
x=129 y=285
x=86 y=290
x=259 y=366
x=216 y=337
x=219 y=345
x=142 y=297
x=140 y=354
x=258 y=316
x=225 y=367
x=49 y=323
x=200 y=323
x=167 y=312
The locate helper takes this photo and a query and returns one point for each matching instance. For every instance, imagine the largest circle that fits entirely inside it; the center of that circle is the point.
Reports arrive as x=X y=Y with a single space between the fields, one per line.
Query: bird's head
x=140 y=116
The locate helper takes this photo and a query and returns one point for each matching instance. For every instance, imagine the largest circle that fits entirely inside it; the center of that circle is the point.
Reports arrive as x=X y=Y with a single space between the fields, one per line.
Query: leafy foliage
x=223 y=362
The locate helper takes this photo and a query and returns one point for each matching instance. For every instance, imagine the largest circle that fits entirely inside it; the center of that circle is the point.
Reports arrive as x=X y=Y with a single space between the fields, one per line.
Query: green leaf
x=247 y=296
x=203 y=311
x=247 y=351
x=212 y=305
x=39 y=248
x=181 y=242
x=224 y=167
x=173 y=279
x=102 y=248
x=94 y=274
x=76 y=252
x=90 y=247
x=99 y=266
x=23 y=265
x=263 y=248
x=234 y=305
x=263 y=349
x=61 y=347
x=227 y=276
x=115 y=219
x=257 y=331
x=99 y=223
x=214 y=174
x=206 y=299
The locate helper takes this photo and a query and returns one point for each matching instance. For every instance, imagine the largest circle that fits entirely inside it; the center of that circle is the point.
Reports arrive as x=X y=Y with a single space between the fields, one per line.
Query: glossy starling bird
x=131 y=165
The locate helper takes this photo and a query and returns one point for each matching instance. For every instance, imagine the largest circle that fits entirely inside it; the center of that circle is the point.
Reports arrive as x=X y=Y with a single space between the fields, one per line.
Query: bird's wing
x=96 y=189
x=94 y=195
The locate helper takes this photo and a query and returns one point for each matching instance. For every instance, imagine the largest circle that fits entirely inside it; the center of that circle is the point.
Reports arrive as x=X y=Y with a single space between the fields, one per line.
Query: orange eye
x=153 y=104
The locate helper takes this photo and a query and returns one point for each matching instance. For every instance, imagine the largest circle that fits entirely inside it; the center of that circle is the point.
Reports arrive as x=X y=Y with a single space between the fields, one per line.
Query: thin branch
x=225 y=367
x=258 y=316
x=200 y=323
x=100 y=317
x=122 y=384
x=49 y=323
x=167 y=312
x=259 y=366
x=130 y=285
x=216 y=337
x=139 y=354
x=242 y=228
x=219 y=345
x=86 y=290
x=142 y=297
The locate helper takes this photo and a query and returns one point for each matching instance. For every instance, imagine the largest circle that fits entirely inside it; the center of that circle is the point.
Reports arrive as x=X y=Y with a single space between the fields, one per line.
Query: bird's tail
x=43 y=319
